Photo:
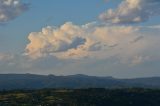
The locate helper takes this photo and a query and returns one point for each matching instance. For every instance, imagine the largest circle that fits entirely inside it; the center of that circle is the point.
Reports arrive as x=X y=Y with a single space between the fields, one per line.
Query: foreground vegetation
x=81 y=97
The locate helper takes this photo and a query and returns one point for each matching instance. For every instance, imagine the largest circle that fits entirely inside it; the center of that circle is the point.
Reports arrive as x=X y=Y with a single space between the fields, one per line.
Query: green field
x=81 y=97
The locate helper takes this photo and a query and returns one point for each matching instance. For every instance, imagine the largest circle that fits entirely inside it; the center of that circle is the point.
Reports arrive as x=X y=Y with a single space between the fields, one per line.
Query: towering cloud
x=10 y=9
x=132 y=11
x=71 y=41
x=53 y=41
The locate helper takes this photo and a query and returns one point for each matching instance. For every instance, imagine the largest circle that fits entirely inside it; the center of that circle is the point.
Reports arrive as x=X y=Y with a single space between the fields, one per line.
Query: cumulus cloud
x=72 y=49
x=55 y=40
x=73 y=41
x=10 y=9
x=132 y=11
x=70 y=41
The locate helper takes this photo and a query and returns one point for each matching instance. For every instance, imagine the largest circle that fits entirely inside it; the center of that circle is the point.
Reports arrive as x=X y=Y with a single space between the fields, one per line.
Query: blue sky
x=44 y=13
x=99 y=37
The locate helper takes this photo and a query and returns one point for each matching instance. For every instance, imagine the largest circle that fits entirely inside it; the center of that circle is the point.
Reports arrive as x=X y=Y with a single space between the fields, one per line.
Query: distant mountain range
x=31 y=81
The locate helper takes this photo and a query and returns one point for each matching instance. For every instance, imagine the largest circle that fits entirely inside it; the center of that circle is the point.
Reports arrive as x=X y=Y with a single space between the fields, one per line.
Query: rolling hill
x=31 y=81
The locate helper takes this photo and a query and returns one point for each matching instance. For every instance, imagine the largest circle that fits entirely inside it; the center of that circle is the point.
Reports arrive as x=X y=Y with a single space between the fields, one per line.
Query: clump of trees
x=81 y=97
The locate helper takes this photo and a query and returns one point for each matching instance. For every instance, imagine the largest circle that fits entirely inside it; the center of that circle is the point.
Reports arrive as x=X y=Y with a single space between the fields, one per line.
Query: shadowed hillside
x=30 y=81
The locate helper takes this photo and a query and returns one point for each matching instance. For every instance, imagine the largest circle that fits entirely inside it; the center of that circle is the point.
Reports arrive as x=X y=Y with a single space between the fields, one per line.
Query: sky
x=118 y=38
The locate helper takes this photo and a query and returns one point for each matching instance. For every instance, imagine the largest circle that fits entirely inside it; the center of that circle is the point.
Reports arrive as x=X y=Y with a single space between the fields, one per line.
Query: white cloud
x=73 y=41
x=10 y=9
x=69 y=41
x=55 y=40
x=5 y=56
x=132 y=11
x=154 y=26
x=90 y=48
